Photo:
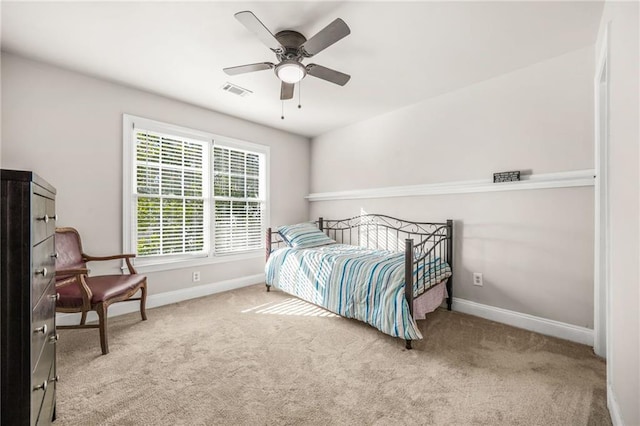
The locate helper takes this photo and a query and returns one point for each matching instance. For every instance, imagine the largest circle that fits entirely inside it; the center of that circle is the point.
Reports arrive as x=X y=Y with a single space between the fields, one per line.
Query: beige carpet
x=252 y=357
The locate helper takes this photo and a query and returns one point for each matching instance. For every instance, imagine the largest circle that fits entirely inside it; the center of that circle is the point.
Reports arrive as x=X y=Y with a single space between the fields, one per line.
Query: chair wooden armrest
x=78 y=271
x=127 y=258
x=114 y=257
x=76 y=276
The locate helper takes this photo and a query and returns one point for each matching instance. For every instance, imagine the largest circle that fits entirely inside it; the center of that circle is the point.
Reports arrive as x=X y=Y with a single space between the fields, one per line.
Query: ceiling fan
x=291 y=48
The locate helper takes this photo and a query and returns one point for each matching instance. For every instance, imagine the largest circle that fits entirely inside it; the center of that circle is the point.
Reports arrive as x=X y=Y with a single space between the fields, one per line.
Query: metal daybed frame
x=422 y=241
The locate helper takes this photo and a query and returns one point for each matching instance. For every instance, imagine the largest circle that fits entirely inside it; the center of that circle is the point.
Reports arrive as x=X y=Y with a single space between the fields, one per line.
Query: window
x=191 y=195
x=236 y=196
x=169 y=194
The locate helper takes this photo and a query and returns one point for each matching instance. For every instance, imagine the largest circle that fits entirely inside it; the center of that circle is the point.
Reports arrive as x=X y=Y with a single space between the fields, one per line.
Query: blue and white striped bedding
x=354 y=282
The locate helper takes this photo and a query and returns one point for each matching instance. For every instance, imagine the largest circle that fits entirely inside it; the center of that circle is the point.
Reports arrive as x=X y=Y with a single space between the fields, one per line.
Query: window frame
x=167 y=262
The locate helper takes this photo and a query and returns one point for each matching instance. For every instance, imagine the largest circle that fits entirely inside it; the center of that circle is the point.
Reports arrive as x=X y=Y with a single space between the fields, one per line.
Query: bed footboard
x=408 y=278
x=438 y=245
x=423 y=242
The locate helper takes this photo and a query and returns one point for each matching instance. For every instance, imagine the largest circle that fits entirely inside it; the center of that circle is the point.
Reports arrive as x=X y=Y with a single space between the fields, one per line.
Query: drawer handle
x=54 y=297
x=42 y=272
x=43 y=386
x=55 y=255
x=54 y=338
x=42 y=330
x=44 y=218
x=55 y=379
x=55 y=217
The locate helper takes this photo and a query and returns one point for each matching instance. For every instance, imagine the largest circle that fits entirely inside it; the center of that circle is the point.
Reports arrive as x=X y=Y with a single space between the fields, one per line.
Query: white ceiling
x=398 y=53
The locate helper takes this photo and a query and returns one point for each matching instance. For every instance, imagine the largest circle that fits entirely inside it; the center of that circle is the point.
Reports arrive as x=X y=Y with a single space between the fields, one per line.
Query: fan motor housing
x=291 y=41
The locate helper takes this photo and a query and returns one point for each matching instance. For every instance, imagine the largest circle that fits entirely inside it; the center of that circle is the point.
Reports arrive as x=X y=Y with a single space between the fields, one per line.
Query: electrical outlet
x=477 y=279
x=196 y=276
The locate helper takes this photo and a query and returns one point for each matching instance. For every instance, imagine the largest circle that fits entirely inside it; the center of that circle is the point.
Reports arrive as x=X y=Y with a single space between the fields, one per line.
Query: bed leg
x=408 y=344
x=268 y=288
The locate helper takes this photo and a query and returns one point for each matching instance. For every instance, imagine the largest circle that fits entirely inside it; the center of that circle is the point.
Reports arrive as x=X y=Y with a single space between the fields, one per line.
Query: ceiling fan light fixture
x=290 y=71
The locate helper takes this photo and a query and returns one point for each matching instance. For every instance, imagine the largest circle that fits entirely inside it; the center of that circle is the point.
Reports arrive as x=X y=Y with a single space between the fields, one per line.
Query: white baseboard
x=614 y=409
x=167 y=298
x=528 y=322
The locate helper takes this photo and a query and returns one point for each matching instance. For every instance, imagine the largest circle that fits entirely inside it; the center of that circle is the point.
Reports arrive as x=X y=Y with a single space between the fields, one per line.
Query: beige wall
x=534 y=247
x=538 y=118
x=67 y=127
x=624 y=136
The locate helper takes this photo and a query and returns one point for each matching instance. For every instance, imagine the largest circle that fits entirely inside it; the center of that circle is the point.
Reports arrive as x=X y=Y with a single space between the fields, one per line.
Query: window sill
x=168 y=265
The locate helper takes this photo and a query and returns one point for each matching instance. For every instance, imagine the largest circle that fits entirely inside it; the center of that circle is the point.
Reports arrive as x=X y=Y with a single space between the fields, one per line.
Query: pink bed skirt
x=429 y=301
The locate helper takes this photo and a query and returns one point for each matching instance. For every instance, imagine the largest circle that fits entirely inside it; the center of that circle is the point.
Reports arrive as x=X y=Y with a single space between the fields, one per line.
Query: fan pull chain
x=299 y=94
x=282 y=116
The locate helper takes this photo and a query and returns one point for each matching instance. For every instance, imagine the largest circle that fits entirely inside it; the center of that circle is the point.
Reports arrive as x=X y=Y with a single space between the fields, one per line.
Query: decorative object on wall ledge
x=513 y=176
x=291 y=48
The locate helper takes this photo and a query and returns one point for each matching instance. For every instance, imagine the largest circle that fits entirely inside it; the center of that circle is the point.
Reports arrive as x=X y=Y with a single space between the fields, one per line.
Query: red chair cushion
x=103 y=288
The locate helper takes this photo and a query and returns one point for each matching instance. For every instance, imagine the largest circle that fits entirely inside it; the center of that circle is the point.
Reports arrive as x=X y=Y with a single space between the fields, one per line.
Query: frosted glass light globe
x=290 y=72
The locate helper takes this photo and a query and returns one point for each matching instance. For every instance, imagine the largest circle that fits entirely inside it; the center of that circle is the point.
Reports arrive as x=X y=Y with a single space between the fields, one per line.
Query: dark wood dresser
x=27 y=300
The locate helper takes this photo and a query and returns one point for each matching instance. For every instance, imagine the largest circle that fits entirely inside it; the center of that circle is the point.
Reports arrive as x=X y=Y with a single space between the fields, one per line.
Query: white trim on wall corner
x=614 y=408
x=161 y=299
x=540 y=325
x=534 y=181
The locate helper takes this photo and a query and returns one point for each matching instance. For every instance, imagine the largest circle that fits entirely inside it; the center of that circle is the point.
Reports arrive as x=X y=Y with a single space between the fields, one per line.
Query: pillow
x=304 y=235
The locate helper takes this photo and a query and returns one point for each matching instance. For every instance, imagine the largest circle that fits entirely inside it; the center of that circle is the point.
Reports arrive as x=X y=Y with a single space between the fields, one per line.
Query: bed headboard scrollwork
x=385 y=232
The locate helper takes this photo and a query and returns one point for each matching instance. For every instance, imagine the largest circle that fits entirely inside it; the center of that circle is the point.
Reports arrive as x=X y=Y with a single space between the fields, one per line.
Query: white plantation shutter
x=170 y=194
x=239 y=201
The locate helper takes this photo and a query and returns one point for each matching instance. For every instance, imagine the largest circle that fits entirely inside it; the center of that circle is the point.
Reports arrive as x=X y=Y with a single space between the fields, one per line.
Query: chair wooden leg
x=83 y=318
x=101 y=309
x=143 y=301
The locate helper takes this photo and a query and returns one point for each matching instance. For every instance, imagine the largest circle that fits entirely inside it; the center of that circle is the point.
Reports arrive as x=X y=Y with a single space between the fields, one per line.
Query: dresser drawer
x=40 y=383
x=44 y=266
x=49 y=401
x=43 y=217
x=43 y=324
x=51 y=214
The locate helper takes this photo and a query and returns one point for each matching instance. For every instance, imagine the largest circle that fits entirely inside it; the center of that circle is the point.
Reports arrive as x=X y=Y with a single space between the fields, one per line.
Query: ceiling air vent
x=236 y=90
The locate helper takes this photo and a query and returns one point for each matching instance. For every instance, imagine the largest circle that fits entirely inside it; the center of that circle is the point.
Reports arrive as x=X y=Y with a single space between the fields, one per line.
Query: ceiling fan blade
x=335 y=31
x=328 y=74
x=253 y=24
x=241 y=69
x=286 y=91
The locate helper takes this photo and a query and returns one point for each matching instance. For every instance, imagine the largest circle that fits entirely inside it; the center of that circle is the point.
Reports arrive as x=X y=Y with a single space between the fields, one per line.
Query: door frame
x=602 y=283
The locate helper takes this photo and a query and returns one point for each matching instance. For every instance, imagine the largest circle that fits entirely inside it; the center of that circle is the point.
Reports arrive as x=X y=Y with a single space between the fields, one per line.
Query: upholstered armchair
x=79 y=292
